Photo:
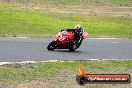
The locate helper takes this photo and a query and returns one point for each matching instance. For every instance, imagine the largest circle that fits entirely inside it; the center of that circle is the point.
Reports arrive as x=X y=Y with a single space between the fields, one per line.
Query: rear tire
x=71 y=50
x=51 y=46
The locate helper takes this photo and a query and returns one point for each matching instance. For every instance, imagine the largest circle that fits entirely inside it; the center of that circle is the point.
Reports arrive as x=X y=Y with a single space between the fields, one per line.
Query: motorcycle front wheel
x=52 y=45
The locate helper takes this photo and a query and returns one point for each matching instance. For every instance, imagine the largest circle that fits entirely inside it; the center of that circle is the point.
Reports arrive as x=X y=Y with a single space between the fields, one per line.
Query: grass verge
x=26 y=72
x=23 y=20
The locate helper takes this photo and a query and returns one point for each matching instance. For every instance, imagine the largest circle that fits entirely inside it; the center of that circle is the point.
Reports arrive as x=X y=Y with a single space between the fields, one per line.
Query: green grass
x=21 y=18
x=77 y=2
x=13 y=73
x=38 y=23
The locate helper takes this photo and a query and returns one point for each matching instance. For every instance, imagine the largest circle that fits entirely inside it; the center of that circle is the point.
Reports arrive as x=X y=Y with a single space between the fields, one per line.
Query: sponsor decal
x=82 y=77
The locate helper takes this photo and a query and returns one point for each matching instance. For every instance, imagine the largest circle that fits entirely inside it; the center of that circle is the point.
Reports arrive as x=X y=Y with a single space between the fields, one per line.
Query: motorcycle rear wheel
x=73 y=48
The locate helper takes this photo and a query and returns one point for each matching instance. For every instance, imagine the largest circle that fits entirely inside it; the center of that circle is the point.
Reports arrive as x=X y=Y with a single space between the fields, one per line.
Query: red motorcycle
x=65 y=40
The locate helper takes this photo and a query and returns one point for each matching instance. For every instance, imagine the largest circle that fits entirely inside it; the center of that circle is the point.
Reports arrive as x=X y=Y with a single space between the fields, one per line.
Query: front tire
x=51 y=46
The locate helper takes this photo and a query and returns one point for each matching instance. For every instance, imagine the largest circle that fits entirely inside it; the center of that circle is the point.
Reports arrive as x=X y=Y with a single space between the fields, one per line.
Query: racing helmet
x=64 y=32
x=77 y=26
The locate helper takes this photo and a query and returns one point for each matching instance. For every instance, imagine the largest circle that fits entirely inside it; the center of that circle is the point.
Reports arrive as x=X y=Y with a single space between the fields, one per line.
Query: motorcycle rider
x=78 y=32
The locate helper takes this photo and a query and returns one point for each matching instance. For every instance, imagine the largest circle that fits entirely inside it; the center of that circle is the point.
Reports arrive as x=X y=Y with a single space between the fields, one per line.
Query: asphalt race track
x=33 y=49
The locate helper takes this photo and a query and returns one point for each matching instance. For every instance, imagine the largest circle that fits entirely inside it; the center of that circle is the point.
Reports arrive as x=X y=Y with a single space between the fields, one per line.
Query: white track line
x=114 y=42
x=24 y=62
x=104 y=38
x=20 y=37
